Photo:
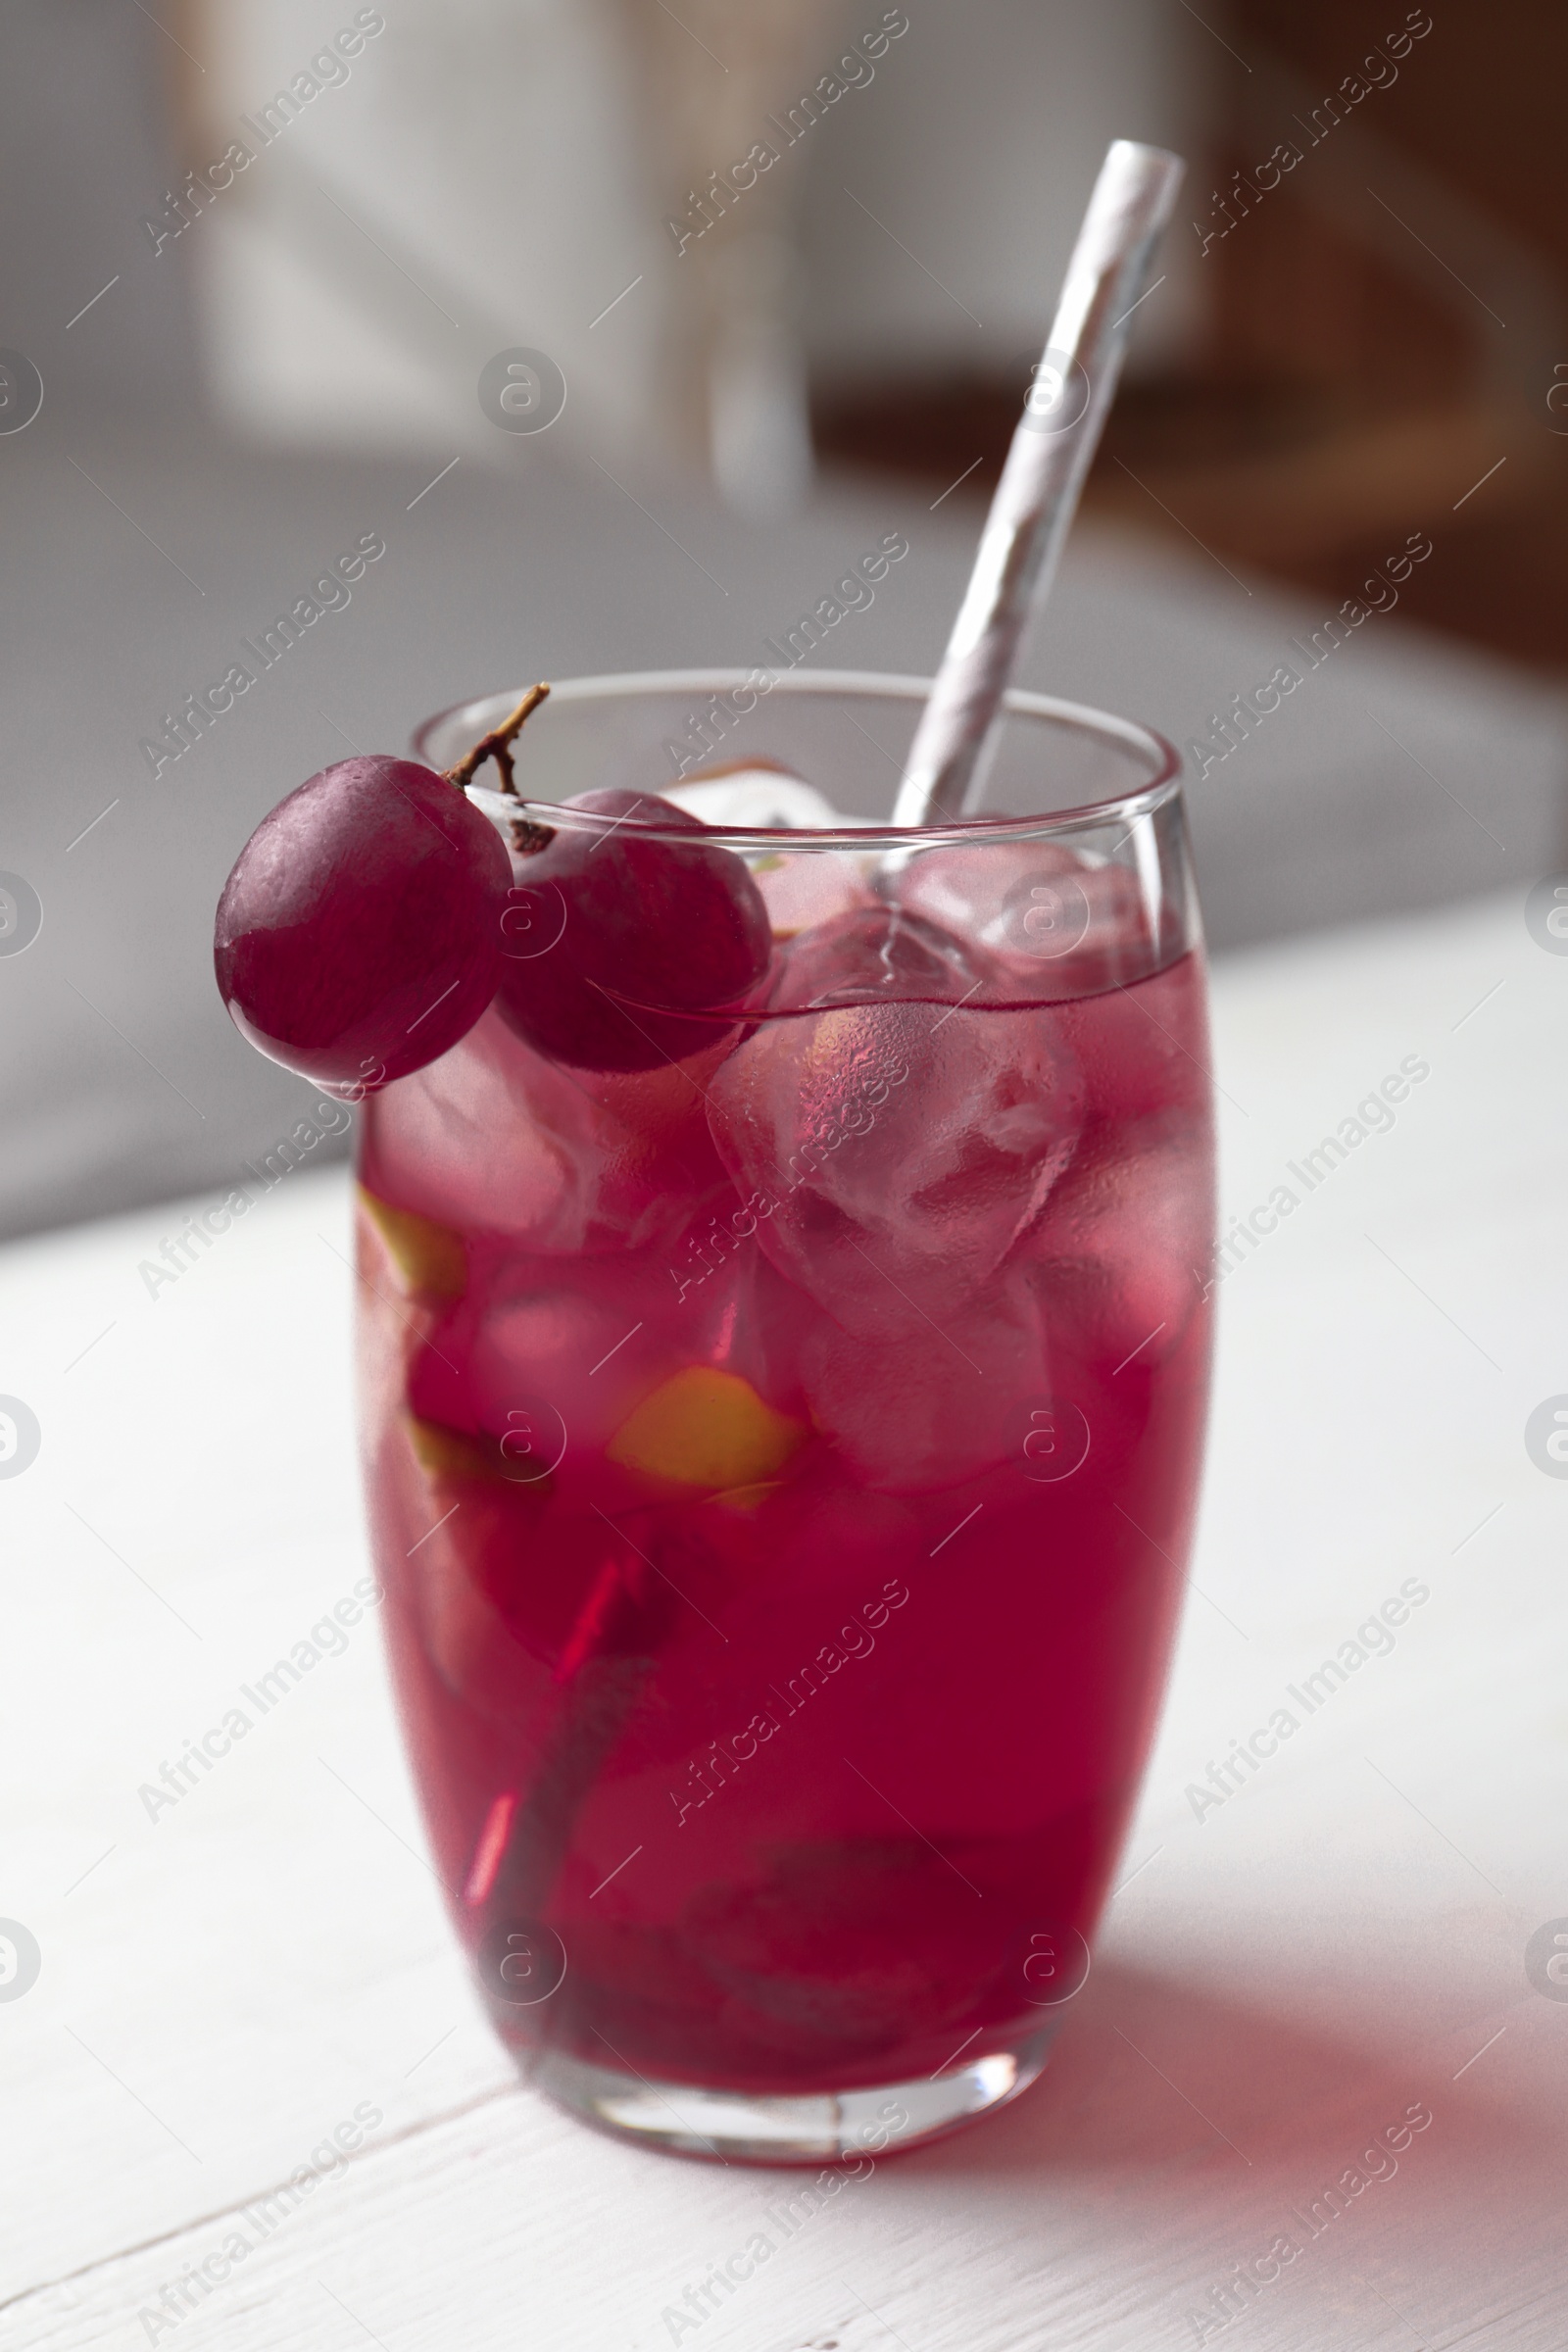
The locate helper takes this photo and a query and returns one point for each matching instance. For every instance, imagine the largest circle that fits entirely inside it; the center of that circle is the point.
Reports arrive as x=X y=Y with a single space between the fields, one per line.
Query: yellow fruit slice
x=448 y=1456
x=744 y=1500
x=445 y=1452
x=429 y=1258
x=704 y=1427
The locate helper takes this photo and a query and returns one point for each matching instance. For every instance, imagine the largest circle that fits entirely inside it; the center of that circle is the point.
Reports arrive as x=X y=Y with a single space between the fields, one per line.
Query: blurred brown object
x=1383 y=243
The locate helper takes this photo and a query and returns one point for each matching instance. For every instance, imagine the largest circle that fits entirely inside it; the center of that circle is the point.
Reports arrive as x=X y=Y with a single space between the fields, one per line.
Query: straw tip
x=1137 y=183
x=1158 y=162
x=1142 y=149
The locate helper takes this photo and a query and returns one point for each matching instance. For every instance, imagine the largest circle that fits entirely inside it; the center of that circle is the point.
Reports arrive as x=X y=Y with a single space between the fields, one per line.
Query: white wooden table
x=229 y=1980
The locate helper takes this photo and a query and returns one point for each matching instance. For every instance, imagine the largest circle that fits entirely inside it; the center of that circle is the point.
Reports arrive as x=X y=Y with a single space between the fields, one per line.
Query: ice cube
x=875 y=953
x=680 y=1379
x=756 y=795
x=1121 y=1260
x=809 y=888
x=899 y=1149
x=563 y=1362
x=934 y=1407
x=1046 y=917
x=493 y=1138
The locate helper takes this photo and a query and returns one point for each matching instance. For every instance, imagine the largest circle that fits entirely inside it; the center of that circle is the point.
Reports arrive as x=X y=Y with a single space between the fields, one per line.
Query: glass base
x=818 y=2128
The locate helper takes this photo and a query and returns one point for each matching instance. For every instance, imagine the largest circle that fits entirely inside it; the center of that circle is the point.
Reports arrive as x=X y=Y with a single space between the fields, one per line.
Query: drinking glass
x=782 y=1460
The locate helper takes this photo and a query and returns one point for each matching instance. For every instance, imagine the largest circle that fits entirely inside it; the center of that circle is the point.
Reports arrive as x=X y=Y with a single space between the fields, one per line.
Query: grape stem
x=497 y=746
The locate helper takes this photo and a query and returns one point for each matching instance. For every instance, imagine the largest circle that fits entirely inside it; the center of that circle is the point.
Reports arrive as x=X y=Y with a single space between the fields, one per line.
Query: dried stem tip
x=497 y=746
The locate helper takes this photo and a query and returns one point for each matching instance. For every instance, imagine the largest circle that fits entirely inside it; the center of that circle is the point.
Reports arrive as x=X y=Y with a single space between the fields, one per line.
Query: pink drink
x=782 y=1466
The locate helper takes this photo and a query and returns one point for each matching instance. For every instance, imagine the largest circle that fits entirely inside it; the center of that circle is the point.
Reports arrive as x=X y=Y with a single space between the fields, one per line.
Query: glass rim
x=1164 y=786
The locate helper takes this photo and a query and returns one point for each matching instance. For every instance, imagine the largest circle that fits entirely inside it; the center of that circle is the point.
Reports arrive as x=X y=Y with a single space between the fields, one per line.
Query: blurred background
x=769 y=275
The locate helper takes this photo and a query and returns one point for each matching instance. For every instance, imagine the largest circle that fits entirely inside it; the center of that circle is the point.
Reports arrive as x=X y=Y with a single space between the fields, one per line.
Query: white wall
x=483 y=145
x=491 y=166
x=976 y=148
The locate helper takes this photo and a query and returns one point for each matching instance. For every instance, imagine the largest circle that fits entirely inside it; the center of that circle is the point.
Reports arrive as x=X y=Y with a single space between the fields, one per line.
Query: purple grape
x=625 y=936
x=358 y=936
